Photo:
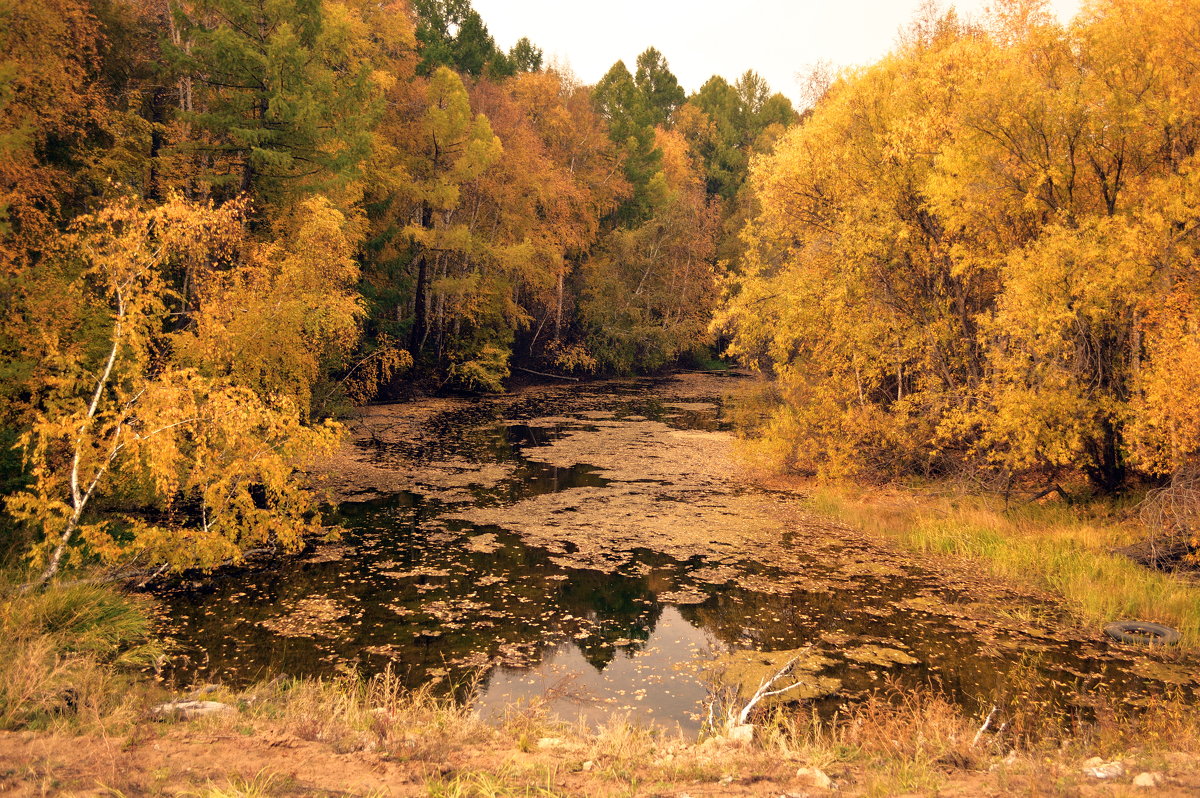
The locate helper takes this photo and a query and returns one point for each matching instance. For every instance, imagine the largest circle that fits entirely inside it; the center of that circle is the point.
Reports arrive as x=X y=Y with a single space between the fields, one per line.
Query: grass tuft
x=68 y=653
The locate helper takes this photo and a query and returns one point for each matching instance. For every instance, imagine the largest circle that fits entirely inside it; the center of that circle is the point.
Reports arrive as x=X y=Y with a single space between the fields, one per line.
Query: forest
x=226 y=222
x=395 y=412
x=979 y=254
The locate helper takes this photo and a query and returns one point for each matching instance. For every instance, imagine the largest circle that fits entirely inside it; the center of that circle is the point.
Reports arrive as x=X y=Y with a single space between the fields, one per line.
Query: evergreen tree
x=282 y=99
x=660 y=90
x=525 y=57
x=618 y=101
x=451 y=33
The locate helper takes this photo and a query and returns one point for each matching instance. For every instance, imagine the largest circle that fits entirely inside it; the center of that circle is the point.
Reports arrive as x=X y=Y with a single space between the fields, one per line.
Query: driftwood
x=1055 y=488
x=987 y=724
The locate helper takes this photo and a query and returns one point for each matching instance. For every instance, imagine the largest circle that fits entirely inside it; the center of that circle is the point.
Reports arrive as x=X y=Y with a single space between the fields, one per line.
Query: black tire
x=1141 y=632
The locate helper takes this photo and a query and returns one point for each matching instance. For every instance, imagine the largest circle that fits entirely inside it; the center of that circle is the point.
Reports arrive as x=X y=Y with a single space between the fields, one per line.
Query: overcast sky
x=701 y=38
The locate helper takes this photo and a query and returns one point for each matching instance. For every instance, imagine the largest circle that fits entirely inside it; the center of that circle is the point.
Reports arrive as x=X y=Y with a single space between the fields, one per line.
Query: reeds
x=68 y=654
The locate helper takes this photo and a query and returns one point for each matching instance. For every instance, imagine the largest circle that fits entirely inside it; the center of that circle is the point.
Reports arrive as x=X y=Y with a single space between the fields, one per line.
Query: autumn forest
x=227 y=221
x=233 y=230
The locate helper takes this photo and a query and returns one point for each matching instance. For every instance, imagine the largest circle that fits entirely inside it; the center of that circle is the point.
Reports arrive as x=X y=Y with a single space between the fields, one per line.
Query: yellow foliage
x=981 y=251
x=202 y=457
x=285 y=313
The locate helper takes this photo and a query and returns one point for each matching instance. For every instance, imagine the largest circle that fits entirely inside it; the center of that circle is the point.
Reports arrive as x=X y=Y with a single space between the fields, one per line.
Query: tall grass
x=68 y=653
x=352 y=713
x=1067 y=550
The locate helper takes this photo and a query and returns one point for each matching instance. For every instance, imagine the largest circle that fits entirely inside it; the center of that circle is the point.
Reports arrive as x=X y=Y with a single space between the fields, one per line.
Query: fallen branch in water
x=987 y=724
x=544 y=374
x=139 y=576
x=765 y=691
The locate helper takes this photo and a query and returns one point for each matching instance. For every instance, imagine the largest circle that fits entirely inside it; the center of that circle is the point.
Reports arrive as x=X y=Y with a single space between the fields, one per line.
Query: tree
x=542 y=202
x=205 y=463
x=716 y=136
x=623 y=107
x=980 y=252
x=660 y=90
x=286 y=316
x=650 y=290
x=849 y=290
x=456 y=146
x=737 y=117
x=525 y=57
x=452 y=34
x=285 y=106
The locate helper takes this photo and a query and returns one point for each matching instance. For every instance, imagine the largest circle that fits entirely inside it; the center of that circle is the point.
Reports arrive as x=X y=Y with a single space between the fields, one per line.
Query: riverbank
x=1072 y=550
x=76 y=718
x=350 y=737
x=588 y=530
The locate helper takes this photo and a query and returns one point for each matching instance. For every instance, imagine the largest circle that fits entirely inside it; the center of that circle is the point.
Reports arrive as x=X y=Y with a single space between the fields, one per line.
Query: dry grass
x=891 y=743
x=506 y=783
x=1065 y=549
x=68 y=656
x=351 y=714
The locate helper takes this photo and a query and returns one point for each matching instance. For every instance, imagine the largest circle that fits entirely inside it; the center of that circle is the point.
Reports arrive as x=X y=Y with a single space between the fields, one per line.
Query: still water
x=575 y=548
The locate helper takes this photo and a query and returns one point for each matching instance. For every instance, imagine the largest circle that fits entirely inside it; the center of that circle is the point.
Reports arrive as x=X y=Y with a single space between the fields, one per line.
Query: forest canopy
x=224 y=223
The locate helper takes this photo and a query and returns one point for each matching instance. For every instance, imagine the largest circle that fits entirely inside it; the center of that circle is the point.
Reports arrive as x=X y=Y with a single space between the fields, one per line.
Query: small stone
x=725 y=780
x=549 y=742
x=1148 y=779
x=588 y=766
x=816 y=777
x=188 y=710
x=1104 y=770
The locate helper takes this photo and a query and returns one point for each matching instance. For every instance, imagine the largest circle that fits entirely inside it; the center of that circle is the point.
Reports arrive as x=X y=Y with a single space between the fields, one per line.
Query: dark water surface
x=480 y=611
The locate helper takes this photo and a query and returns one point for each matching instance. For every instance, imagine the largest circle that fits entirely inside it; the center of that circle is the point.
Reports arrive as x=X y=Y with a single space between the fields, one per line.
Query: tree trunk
x=558 y=309
x=1107 y=472
x=417 y=334
x=420 y=302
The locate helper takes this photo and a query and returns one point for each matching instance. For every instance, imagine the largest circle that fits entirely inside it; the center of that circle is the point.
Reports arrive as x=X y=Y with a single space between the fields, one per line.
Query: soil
x=183 y=759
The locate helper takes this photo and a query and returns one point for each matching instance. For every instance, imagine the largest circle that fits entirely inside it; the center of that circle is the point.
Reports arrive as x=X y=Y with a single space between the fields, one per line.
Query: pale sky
x=700 y=38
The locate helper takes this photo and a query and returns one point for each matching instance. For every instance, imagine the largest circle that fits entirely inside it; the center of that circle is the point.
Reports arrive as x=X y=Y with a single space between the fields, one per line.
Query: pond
x=598 y=548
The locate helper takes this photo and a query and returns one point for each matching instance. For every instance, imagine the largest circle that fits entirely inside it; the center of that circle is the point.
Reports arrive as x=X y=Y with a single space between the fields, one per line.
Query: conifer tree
x=285 y=106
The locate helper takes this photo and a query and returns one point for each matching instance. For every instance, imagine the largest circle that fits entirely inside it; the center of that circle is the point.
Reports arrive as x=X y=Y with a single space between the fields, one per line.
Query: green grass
x=69 y=653
x=1063 y=549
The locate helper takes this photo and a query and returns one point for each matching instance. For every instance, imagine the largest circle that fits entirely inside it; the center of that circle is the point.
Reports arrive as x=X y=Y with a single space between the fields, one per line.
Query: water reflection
x=659 y=679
